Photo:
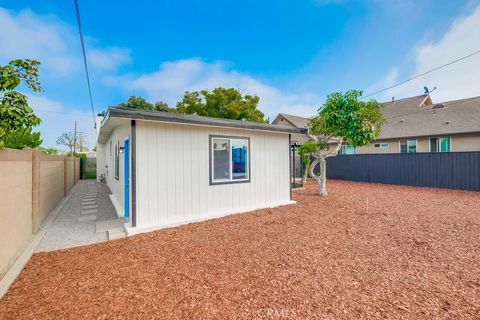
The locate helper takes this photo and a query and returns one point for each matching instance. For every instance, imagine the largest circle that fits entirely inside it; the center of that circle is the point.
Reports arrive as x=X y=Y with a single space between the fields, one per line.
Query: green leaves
x=345 y=115
x=228 y=103
x=16 y=117
x=136 y=102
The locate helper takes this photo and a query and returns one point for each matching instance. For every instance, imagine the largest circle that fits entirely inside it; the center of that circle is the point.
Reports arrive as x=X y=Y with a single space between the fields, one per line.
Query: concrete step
x=116 y=233
x=87 y=217
x=92 y=206
x=88 y=202
x=87 y=212
x=102 y=226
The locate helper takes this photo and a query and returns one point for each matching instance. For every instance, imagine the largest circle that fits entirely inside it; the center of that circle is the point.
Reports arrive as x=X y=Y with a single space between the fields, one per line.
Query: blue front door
x=127 y=179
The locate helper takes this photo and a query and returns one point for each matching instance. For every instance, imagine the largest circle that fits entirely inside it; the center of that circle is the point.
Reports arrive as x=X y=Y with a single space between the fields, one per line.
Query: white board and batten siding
x=106 y=166
x=173 y=174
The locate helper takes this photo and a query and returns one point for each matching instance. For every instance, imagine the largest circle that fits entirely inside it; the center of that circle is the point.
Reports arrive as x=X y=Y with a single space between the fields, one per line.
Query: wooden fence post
x=35 y=190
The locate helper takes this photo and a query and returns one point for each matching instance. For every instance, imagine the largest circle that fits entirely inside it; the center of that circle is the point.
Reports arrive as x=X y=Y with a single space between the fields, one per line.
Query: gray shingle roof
x=129 y=113
x=404 y=118
x=297 y=121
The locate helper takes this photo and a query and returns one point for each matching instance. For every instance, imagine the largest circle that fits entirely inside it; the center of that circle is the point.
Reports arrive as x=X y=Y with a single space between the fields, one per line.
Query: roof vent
x=447 y=122
x=402 y=121
x=393 y=99
x=438 y=106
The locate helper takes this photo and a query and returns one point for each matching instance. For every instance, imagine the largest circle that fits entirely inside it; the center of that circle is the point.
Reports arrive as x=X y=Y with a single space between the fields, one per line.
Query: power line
x=422 y=74
x=77 y=11
x=78 y=114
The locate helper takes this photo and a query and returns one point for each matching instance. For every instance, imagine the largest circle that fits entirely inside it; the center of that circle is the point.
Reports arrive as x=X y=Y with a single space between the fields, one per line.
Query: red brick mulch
x=365 y=251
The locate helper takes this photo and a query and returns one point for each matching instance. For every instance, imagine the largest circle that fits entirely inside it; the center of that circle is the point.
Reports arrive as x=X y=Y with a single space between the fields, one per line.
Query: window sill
x=212 y=183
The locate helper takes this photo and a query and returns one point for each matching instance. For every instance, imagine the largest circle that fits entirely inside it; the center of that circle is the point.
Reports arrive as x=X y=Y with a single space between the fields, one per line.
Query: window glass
x=377 y=145
x=347 y=150
x=433 y=145
x=403 y=146
x=385 y=145
x=445 y=144
x=239 y=159
x=221 y=159
x=117 y=169
x=230 y=159
x=412 y=146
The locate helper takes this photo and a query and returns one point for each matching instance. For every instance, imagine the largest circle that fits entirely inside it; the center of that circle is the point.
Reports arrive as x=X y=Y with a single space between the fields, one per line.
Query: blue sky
x=290 y=53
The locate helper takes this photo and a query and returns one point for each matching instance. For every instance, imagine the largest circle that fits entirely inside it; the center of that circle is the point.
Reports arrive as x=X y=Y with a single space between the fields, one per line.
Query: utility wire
x=422 y=74
x=77 y=11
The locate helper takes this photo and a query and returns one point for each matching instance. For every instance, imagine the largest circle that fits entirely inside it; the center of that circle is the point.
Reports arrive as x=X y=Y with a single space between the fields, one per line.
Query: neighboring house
x=165 y=169
x=417 y=124
x=295 y=122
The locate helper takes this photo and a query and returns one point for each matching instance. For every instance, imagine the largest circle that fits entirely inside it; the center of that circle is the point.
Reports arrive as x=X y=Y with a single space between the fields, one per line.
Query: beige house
x=417 y=124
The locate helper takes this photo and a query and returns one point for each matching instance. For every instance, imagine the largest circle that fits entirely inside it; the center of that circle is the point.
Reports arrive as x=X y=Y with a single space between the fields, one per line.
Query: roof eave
x=157 y=116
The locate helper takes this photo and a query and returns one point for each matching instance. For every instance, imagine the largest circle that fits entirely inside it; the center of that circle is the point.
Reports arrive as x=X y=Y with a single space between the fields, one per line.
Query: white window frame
x=381 y=145
x=408 y=140
x=439 y=149
x=230 y=180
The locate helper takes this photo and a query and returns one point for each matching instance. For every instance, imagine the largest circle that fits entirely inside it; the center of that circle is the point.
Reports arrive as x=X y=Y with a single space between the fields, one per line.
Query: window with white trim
x=408 y=146
x=229 y=159
x=440 y=144
x=381 y=145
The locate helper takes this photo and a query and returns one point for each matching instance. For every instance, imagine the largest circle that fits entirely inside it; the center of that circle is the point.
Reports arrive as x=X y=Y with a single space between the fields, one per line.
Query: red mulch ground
x=365 y=251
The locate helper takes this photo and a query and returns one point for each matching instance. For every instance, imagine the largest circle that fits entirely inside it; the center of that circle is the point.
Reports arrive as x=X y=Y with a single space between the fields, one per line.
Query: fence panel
x=453 y=170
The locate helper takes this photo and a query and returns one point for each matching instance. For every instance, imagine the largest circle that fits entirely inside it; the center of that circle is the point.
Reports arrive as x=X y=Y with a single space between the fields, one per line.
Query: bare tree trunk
x=322 y=179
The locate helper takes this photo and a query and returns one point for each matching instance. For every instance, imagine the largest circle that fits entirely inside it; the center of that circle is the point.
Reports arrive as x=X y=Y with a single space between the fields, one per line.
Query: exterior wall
x=51 y=184
x=173 y=174
x=466 y=143
x=458 y=143
x=15 y=204
x=106 y=165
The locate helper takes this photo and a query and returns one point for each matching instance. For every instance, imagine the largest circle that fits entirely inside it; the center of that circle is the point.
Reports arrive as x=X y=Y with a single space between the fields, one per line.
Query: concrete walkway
x=84 y=219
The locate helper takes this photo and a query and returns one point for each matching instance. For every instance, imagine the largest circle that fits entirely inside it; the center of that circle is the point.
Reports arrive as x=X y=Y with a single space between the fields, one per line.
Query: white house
x=166 y=169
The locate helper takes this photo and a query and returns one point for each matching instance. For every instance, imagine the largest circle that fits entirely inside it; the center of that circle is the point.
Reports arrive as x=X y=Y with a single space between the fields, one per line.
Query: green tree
x=343 y=119
x=23 y=138
x=48 y=150
x=16 y=117
x=305 y=151
x=228 y=103
x=140 y=103
x=136 y=102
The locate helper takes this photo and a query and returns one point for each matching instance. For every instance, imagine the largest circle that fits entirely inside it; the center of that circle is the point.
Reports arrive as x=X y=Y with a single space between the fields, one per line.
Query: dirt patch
x=365 y=251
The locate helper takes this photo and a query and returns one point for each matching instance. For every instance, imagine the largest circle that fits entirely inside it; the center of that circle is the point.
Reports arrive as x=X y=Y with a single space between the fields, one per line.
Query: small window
x=117 y=161
x=230 y=160
x=408 y=146
x=444 y=143
x=441 y=144
x=381 y=145
x=347 y=150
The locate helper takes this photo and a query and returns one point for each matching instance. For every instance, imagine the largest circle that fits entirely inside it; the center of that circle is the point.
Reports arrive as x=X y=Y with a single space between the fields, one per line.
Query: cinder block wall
x=15 y=204
x=31 y=186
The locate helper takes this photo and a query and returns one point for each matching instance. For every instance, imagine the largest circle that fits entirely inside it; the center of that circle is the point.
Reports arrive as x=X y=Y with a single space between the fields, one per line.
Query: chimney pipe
x=393 y=99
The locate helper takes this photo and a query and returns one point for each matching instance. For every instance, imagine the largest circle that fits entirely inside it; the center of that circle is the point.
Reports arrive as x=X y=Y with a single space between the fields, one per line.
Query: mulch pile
x=365 y=251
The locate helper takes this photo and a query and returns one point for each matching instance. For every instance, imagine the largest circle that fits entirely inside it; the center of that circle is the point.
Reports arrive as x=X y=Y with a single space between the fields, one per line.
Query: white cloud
x=57 y=119
x=56 y=44
x=456 y=81
x=175 y=77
